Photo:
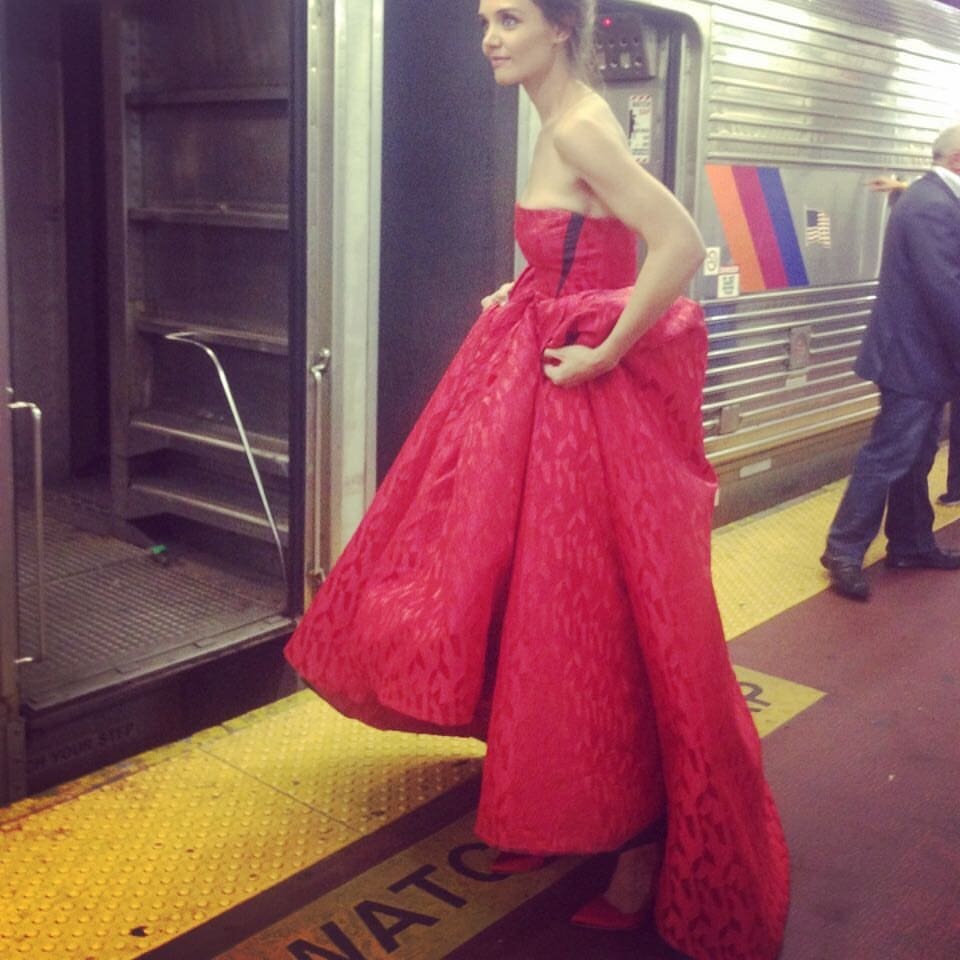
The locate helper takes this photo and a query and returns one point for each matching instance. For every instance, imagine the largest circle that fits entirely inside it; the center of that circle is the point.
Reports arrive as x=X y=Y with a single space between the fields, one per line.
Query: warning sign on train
x=641 y=126
x=728 y=283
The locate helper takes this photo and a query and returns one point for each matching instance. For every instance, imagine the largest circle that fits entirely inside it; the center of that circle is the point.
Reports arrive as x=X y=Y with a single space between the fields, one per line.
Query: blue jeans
x=891 y=469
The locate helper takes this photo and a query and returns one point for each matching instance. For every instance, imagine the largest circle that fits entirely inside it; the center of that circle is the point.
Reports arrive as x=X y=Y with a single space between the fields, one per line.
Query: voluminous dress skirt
x=535 y=570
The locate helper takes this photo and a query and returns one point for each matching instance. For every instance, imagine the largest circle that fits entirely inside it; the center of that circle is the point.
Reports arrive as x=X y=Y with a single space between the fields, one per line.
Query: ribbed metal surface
x=927 y=20
x=753 y=397
x=796 y=85
x=110 y=604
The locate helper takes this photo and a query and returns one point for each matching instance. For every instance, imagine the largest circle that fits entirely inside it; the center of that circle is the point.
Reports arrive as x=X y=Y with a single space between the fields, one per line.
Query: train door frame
x=335 y=131
x=342 y=130
x=12 y=746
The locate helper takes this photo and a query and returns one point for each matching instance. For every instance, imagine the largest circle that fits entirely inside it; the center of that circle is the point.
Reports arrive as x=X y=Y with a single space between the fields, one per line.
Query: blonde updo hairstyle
x=577 y=16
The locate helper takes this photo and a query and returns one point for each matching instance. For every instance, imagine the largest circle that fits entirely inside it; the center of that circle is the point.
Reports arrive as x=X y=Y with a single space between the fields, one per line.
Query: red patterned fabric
x=535 y=570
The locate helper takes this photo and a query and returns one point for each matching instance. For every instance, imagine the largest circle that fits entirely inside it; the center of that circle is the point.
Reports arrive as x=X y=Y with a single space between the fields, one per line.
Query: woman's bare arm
x=596 y=153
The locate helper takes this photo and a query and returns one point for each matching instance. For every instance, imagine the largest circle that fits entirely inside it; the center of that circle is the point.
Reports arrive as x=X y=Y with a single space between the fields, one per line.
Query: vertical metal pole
x=317 y=572
x=357 y=146
x=317 y=143
x=37 y=418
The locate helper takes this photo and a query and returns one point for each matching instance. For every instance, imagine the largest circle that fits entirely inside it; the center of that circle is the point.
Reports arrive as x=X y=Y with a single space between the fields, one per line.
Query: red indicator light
x=607 y=22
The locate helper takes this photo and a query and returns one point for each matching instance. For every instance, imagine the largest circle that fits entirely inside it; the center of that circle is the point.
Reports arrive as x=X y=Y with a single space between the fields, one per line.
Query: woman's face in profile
x=518 y=40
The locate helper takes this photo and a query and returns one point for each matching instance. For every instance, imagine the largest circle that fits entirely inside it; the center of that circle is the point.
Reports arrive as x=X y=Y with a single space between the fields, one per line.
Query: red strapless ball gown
x=535 y=570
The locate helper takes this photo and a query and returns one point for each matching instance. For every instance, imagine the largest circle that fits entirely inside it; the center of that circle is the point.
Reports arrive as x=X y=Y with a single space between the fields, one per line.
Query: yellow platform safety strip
x=127 y=859
x=772 y=700
x=439 y=893
x=767 y=563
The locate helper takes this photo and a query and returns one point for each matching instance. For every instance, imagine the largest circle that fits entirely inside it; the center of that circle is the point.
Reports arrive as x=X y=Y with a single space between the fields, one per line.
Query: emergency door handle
x=318 y=371
x=37 y=418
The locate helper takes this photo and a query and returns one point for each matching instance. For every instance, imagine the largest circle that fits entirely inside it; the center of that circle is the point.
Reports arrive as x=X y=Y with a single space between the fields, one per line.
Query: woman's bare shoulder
x=588 y=125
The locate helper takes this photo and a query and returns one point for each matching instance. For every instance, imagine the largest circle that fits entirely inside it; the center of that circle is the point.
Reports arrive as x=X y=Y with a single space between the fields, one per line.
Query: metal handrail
x=188 y=337
x=317 y=371
x=37 y=417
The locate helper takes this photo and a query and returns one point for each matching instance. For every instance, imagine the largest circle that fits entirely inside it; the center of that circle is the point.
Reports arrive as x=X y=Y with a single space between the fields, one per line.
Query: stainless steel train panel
x=912 y=26
x=801 y=111
x=785 y=91
x=343 y=151
x=783 y=112
x=755 y=395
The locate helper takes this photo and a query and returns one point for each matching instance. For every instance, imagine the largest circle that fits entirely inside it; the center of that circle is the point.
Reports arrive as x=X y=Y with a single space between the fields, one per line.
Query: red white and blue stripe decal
x=759 y=229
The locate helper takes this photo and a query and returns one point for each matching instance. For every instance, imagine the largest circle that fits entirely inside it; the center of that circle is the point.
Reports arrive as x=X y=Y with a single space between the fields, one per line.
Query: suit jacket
x=912 y=343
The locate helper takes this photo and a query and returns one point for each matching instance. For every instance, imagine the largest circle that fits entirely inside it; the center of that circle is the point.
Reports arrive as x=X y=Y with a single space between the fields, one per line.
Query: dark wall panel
x=449 y=166
x=34 y=170
x=85 y=232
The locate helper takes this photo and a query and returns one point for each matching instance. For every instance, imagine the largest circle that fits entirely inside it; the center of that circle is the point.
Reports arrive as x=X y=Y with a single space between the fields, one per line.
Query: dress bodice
x=568 y=252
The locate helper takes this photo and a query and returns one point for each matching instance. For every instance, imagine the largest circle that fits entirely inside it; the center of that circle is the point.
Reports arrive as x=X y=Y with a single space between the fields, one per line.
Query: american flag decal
x=818 y=228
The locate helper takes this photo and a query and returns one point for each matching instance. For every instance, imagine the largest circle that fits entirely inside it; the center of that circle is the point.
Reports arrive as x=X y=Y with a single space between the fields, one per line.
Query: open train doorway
x=147 y=173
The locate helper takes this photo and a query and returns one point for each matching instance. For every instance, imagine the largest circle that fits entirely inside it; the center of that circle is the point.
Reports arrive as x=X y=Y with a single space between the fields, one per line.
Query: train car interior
x=147 y=150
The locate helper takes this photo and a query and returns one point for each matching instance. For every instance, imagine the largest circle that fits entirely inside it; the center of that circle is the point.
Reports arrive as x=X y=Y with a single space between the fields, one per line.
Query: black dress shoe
x=936 y=559
x=846 y=577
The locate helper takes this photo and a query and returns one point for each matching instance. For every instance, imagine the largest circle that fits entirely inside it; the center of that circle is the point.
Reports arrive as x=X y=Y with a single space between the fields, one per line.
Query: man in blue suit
x=911 y=350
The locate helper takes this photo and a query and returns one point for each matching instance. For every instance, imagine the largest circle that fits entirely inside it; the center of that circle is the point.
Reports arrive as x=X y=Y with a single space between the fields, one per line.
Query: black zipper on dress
x=574 y=226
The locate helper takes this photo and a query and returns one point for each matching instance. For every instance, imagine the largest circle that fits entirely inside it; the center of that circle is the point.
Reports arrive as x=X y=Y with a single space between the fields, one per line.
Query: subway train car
x=167 y=442
x=768 y=120
x=242 y=238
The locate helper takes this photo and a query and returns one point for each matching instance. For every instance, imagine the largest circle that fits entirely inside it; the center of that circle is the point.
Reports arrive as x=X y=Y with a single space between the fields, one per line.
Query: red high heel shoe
x=600 y=914
x=509 y=863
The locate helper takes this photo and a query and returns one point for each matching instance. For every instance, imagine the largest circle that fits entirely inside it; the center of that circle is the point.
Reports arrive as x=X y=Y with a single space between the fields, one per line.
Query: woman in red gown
x=535 y=567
